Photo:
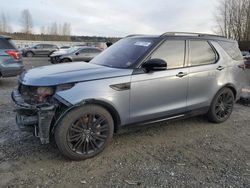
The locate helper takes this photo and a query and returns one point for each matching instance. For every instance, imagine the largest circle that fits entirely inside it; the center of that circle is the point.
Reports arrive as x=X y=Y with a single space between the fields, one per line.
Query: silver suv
x=39 y=50
x=138 y=80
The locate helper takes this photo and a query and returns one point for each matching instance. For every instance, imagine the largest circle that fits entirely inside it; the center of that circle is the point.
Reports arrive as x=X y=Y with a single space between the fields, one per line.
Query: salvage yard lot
x=184 y=153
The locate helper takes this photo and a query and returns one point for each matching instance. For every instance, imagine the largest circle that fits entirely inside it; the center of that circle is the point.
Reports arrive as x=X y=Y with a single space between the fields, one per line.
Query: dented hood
x=52 y=75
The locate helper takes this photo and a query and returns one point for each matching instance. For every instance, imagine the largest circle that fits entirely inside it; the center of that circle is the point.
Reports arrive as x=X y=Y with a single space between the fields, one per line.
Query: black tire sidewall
x=65 y=60
x=63 y=126
x=211 y=114
x=29 y=54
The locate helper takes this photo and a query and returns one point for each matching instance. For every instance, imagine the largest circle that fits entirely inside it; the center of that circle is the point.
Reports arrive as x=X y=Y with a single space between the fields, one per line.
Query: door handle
x=181 y=74
x=220 y=68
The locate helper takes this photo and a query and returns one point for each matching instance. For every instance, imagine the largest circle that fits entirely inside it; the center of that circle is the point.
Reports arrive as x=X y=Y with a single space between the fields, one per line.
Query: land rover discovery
x=138 y=80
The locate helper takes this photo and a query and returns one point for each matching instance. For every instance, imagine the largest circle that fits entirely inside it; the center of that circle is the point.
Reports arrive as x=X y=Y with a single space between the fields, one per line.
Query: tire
x=66 y=60
x=84 y=132
x=222 y=106
x=29 y=54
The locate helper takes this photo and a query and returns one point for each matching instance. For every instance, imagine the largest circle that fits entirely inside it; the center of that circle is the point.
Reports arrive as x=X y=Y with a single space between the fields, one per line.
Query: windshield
x=72 y=49
x=124 y=53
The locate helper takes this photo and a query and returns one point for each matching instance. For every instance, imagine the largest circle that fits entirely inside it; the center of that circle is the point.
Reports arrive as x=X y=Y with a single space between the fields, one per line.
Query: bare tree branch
x=26 y=21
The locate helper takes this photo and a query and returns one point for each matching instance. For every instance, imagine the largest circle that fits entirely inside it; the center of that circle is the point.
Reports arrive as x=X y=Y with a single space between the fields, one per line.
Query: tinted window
x=201 y=53
x=124 y=53
x=232 y=49
x=6 y=44
x=172 y=52
x=47 y=46
x=83 y=51
x=39 y=46
x=94 y=50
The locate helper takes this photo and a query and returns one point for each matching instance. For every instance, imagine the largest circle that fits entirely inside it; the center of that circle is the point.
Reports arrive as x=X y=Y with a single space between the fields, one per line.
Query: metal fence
x=28 y=43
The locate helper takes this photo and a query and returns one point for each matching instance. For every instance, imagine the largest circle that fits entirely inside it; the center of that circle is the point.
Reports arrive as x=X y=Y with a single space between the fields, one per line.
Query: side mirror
x=155 y=65
x=77 y=53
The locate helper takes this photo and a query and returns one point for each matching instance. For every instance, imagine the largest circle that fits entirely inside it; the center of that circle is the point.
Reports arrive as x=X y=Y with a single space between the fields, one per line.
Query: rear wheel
x=29 y=54
x=222 y=106
x=84 y=132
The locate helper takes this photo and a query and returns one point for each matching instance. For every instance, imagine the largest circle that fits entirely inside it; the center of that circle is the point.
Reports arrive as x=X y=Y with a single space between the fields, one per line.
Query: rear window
x=6 y=44
x=232 y=49
x=201 y=53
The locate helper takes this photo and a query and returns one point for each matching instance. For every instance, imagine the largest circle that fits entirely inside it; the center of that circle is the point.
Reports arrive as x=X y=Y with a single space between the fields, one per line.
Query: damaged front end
x=36 y=110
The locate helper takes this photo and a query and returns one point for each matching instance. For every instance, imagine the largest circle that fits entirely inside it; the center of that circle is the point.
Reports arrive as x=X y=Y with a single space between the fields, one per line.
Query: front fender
x=99 y=91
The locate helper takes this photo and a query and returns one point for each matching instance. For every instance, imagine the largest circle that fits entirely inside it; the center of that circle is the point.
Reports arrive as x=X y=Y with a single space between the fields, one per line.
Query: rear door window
x=201 y=53
x=47 y=46
x=6 y=44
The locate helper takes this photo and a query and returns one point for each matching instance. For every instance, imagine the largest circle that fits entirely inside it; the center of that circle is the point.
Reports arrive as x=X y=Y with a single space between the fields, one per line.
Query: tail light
x=15 y=54
x=242 y=66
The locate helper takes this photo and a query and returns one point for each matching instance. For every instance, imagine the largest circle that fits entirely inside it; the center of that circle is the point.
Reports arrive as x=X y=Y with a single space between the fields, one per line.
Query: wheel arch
x=29 y=51
x=113 y=112
x=69 y=58
x=232 y=87
x=110 y=108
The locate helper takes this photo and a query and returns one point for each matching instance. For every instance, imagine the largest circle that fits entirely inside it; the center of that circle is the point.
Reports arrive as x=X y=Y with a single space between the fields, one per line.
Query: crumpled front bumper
x=35 y=118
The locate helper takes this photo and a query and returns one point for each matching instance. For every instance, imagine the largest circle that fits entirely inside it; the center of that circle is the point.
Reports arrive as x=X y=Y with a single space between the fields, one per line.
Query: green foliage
x=45 y=37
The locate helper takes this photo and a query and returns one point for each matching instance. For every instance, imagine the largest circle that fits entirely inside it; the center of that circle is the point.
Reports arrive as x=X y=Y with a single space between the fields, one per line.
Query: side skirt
x=200 y=111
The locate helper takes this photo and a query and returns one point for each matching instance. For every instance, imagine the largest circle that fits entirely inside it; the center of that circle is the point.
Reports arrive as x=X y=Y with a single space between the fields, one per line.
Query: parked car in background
x=39 y=50
x=64 y=47
x=246 y=56
x=137 y=80
x=75 y=53
x=61 y=50
x=10 y=58
x=245 y=53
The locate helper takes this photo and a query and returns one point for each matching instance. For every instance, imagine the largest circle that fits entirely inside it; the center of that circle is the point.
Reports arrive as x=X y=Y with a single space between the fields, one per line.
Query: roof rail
x=134 y=35
x=190 y=34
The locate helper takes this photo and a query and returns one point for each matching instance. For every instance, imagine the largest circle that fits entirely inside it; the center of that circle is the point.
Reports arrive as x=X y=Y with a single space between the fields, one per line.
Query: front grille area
x=29 y=94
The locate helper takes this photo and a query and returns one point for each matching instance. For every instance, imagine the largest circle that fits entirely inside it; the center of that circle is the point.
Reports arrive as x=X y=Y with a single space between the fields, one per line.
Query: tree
x=3 y=23
x=42 y=30
x=66 y=29
x=4 y=26
x=54 y=29
x=233 y=19
x=26 y=21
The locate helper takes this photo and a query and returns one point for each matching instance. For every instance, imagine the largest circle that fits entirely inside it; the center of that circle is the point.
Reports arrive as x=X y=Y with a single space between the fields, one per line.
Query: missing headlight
x=65 y=87
x=44 y=92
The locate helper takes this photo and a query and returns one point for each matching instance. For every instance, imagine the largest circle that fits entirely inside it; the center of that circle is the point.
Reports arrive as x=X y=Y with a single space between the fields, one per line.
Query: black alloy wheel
x=88 y=133
x=222 y=106
x=84 y=132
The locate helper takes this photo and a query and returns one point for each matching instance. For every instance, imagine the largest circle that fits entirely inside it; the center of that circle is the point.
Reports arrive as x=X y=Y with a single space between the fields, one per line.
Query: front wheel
x=222 y=106
x=66 y=60
x=29 y=54
x=84 y=132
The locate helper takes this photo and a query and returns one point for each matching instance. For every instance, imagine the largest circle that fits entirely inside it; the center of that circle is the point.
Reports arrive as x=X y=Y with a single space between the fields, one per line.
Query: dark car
x=75 y=53
x=246 y=56
x=39 y=49
x=10 y=58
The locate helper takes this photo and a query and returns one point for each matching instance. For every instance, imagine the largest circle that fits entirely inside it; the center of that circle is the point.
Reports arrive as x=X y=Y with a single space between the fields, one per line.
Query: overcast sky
x=115 y=17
